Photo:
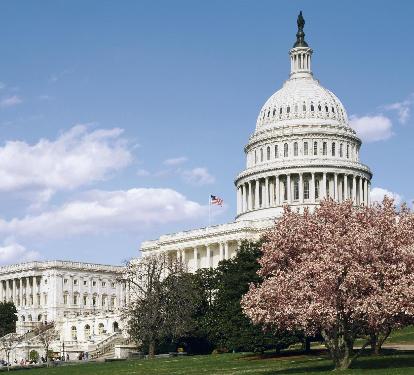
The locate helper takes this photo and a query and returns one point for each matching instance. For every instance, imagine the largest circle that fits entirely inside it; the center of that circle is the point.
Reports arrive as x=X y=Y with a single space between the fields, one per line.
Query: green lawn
x=402 y=336
x=390 y=364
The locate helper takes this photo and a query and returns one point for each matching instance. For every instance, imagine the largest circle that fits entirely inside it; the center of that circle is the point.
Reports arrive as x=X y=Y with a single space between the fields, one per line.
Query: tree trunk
x=377 y=340
x=307 y=345
x=340 y=347
x=151 y=349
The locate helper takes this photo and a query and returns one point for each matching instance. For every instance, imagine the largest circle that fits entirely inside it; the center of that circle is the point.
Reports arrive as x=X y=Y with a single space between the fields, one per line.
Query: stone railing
x=107 y=345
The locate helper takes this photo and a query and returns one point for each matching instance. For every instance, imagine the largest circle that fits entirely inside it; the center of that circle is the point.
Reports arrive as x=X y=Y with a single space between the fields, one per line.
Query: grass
x=392 y=363
x=402 y=336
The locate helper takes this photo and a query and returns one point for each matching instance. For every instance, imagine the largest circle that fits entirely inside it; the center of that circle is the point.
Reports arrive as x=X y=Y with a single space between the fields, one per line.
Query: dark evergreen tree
x=8 y=318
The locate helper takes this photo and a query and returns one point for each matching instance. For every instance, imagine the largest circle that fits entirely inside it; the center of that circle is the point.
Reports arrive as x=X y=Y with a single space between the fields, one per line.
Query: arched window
x=296 y=107
x=324 y=148
x=261 y=154
x=23 y=318
x=304 y=107
x=87 y=331
x=305 y=148
x=39 y=318
x=295 y=149
x=288 y=109
x=326 y=109
x=274 y=112
x=276 y=151
x=315 y=148
x=285 y=150
x=280 y=110
x=268 y=152
x=341 y=150
x=100 y=328
x=319 y=108
x=347 y=151
x=296 y=190
x=29 y=318
x=306 y=189
x=333 y=149
x=312 y=107
x=333 y=110
x=74 y=333
x=115 y=326
x=268 y=114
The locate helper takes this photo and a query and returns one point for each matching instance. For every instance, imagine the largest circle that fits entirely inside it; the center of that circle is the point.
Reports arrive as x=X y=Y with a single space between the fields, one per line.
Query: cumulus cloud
x=77 y=157
x=377 y=195
x=104 y=211
x=175 y=161
x=11 y=252
x=10 y=101
x=372 y=128
x=198 y=176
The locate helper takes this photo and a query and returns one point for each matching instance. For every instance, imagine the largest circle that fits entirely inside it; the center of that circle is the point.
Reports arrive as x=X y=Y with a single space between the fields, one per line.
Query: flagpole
x=209 y=210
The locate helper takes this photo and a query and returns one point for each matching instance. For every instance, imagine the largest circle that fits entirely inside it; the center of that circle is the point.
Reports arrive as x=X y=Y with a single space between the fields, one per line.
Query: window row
x=85 y=283
x=320 y=108
x=309 y=149
x=76 y=300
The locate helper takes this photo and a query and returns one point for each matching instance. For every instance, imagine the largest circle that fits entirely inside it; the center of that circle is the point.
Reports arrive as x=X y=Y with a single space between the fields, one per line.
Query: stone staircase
x=106 y=348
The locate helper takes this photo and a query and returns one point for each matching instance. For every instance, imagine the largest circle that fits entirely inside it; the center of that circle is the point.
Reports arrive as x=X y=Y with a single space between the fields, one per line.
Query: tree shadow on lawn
x=302 y=363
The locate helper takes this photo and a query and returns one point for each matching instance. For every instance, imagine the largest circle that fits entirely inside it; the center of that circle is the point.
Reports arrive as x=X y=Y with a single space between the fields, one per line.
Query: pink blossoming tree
x=343 y=271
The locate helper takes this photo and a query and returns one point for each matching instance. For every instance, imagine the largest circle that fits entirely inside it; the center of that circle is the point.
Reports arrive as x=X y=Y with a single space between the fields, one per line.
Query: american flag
x=216 y=200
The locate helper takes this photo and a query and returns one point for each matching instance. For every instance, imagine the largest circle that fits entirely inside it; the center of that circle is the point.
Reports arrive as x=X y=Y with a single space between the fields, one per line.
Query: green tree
x=224 y=321
x=8 y=318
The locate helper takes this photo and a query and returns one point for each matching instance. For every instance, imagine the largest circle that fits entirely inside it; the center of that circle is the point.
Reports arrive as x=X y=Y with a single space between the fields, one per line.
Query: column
x=226 y=250
x=14 y=290
x=195 y=256
x=221 y=250
x=366 y=192
x=312 y=188
x=288 y=188
x=208 y=255
x=28 y=291
x=257 y=195
x=183 y=260
x=345 y=186
x=250 y=198
x=361 y=192
x=323 y=190
x=354 y=189
x=35 y=291
x=369 y=193
x=238 y=200
x=1 y=291
x=266 y=197
x=21 y=291
x=300 y=187
x=277 y=200
x=243 y=198
x=336 y=195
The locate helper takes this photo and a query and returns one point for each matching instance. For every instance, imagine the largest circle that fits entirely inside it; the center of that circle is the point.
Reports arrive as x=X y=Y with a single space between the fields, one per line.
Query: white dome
x=302 y=100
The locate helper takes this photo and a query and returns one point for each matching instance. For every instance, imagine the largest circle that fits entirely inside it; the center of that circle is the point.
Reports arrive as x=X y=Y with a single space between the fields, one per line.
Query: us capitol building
x=301 y=151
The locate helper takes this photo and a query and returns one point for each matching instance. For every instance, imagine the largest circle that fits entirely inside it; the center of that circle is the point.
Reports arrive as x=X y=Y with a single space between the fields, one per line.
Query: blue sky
x=118 y=119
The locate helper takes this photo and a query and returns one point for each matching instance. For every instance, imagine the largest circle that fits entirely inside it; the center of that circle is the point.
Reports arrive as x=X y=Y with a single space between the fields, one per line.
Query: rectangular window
x=295 y=149
x=65 y=281
x=296 y=190
x=75 y=282
x=85 y=300
x=94 y=283
x=276 y=152
x=305 y=148
x=84 y=282
x=113 y=285
x=285 y=191
x=306 y=189
x=75 y=299
x=65 y=299
x=315 y=148
x=103 y=283
x=324 y=149
x=333 y=149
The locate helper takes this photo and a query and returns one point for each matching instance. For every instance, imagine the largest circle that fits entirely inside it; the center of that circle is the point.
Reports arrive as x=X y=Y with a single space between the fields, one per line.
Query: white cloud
x=175 y=161
x=10 y=101
x=104 y=211
x=11 y=252
x=372 y=128
x=403 y=108
x=77 y=157
x=198 y=176
x=377 y=195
